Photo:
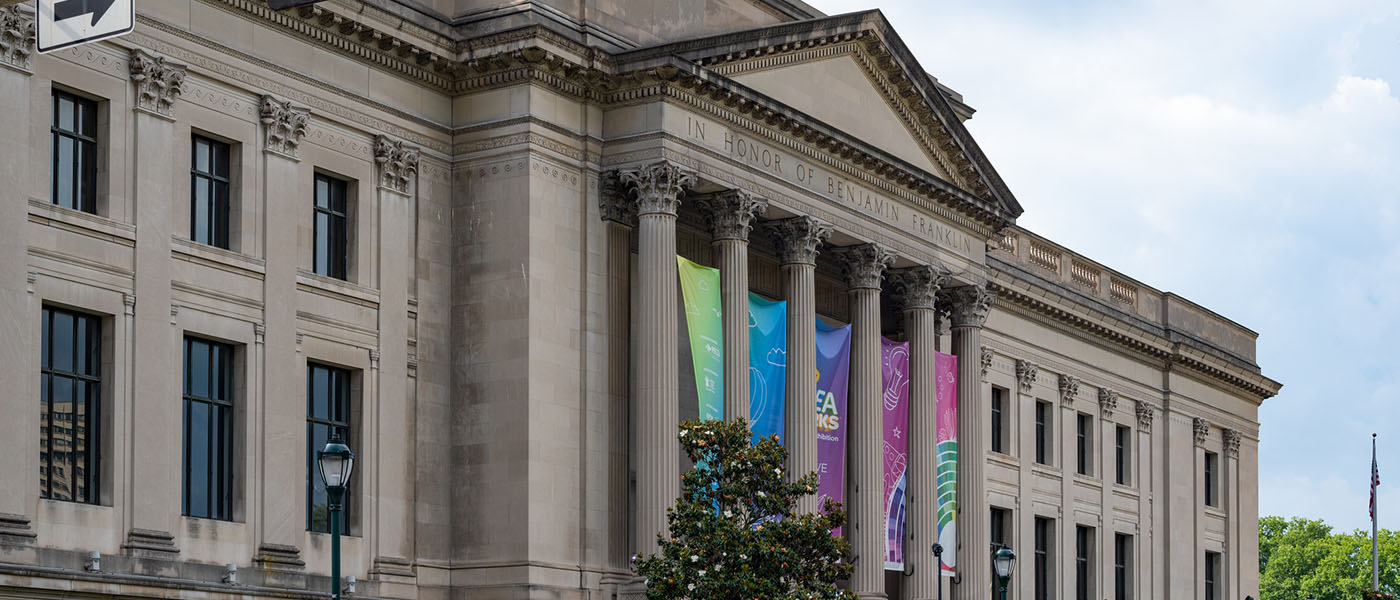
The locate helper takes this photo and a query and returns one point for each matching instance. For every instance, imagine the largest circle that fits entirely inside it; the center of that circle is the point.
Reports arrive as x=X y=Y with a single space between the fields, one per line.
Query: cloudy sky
x=1244 y=154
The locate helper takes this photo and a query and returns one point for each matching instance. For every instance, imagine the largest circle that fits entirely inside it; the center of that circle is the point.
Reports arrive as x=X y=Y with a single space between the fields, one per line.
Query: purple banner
x=894 y=372
x=833 y=371
x=945 y=368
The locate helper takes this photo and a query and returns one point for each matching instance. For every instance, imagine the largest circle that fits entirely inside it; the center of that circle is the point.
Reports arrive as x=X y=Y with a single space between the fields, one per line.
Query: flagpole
x=1375 y=548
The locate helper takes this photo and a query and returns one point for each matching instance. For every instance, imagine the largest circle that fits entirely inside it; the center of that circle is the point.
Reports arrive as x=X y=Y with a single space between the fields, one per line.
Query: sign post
x=64 y=23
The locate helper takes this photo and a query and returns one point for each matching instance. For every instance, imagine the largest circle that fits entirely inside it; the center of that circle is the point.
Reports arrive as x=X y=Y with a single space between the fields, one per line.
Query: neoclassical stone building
x=448 y=228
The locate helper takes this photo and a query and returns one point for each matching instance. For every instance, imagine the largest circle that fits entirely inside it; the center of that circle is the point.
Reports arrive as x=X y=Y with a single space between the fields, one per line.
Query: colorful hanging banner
x=945 y=369
x=894 y=372
x=767 y=366
x=700 y=291
x=833 y=372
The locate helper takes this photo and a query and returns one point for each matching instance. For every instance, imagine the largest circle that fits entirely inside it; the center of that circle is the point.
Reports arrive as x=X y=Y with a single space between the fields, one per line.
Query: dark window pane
x=64 y=112
x=86 y=169
x=63 y=172
x=199 y=459
x=201 y=155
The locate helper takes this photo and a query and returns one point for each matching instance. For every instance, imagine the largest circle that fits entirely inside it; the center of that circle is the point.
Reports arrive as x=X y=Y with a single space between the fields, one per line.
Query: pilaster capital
x=1069 y=389
x=158 y=83
x=283 y=127
x=1026 y=372
x=864 y=265
x=1144 y=415
x=1232 y=443
x=1201 y=428
x=657 y=187
x=613 y=203
x=17 y=39
x=971 y=304
x=917 y=287
x=1108 y=401
x=987 y=355
x=397 y=162
x=800 y=238
x=731 y=214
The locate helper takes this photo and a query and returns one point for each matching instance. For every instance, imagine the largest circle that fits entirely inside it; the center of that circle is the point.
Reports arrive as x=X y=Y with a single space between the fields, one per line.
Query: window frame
x=1212 y=575
x=1084 y=444
x=1000 y=522
x=91 y=380
x=1083 y=562
x=338 y=263
x=313 y=477
x=1123 y=444
x=82 y=198
x=220 y=211
x=220 y=483
x=1044 y=534
x=1210 y=469
x=998 y=405
x=1122 y=566
x=1044 y=419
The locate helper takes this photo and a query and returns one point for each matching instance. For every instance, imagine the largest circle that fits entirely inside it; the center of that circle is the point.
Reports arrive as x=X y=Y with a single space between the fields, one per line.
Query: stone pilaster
x=865 y=267
x=800 y=239
x=283 y=466
x=657 y=190
x=917 y=289
x=617 y=212
x=19 y=359
x=156 y=472
x=970 y=307
x=731 y=214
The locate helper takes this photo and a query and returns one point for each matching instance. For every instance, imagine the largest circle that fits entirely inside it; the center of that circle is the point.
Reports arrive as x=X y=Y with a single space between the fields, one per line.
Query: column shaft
x=970 y=307
x=921 y=327
x=656 y=406
x=733 y=255
x=19 y=359
x=799 y=288
x=866 y=412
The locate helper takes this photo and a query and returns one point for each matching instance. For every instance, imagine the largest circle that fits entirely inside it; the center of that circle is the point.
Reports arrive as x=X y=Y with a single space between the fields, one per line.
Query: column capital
x=731 y=214
x=971 y=303
x=17 y=39
x=987 y=355
x=657 y=187
x=398 y=163
x=1232 y=443
x=1144 y=415
x=865 y=265
x=800 y=238
x=1201 y=428
x=283 y=125
x=917 y=287
x=613 y=203
x=1069 y=389
x=1026 y=372
x=1108 y=401
x=158 y=83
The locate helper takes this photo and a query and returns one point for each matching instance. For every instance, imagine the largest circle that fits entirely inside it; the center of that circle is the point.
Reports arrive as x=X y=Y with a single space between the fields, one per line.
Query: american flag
x=1375 y=477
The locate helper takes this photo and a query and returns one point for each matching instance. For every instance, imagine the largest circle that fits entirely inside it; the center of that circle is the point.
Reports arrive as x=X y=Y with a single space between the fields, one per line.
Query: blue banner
x=767 y=366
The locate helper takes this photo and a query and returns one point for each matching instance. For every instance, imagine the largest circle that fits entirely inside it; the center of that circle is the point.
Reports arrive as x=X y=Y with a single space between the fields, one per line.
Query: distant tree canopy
x=1304 y=558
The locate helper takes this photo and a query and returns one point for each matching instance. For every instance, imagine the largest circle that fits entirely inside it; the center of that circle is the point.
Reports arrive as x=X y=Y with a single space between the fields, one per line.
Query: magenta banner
x=945 y=369
x=833 y=372
x=894 y=373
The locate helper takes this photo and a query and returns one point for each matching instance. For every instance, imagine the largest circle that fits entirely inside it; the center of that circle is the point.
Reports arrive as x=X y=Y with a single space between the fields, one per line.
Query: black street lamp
x=938 y=567
x=1003 y=564
x=336 y=463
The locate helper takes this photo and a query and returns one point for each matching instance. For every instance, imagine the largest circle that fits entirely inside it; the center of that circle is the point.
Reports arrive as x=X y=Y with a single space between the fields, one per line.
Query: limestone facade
x=517 y=185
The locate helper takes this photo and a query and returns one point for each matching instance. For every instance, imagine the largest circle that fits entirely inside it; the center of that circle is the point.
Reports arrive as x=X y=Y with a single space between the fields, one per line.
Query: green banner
x=700 y=291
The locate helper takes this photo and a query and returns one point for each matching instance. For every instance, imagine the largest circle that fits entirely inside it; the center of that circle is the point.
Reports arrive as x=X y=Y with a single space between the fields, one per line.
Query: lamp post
x=938 y=567
x=336 y=463
x=1003 y=565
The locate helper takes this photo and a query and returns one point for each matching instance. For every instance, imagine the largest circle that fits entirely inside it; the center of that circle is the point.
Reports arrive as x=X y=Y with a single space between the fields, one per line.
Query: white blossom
x=694 y=558
x=690 y=587
x=702 y=573
x=728 y=513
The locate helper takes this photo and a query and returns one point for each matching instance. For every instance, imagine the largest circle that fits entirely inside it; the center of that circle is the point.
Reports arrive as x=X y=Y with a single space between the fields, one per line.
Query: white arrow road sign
x=64 y=23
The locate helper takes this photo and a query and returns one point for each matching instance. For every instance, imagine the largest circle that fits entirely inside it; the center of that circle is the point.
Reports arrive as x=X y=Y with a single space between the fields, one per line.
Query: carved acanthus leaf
x=1144 y=415
x=987 y=355
x=398 y=163
x=865 y=265
x=1108 y=401
x=731 y=213
x=657 y=187
x=917 y=287
x=16 y=38
x=157 y=82
x=1201 y=428
x=1232 y=443
x=283 y=126
x=1069 y=389
x=1026 y=372
x=800 y=238
x=971 y=304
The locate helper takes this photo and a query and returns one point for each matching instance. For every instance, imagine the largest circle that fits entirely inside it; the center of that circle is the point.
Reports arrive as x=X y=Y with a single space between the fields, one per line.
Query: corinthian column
x=731 y=214
x=917 y=289
x=800 y=238
x=865 y=267
x=974 y=558
x=656 y=189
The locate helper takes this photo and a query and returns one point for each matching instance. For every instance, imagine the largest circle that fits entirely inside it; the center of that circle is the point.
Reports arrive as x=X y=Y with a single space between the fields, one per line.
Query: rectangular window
x=328 y=409
x=208 y=392
x=1001 y=523
x=1122 y=441
x=1122 y=566
x=1044 y=540
x=1210 y=467
x=1042 y=432
x=209 y=184
x=1084 y=446
x=331 y=216
x=70 y=402
x=1212 y=575
x=74 y=133
x=1083 y=562
x=998 y=409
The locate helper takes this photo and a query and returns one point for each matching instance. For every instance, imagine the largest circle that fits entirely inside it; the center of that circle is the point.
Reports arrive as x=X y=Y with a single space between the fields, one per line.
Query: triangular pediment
x=840 y=92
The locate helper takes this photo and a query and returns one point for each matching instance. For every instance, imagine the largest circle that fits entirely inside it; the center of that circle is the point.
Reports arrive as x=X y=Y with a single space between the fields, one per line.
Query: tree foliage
x=1304 y=558
x=733 y=534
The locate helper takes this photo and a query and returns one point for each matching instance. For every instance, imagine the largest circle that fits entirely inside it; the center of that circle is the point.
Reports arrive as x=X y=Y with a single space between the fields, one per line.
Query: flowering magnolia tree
x=733 y=532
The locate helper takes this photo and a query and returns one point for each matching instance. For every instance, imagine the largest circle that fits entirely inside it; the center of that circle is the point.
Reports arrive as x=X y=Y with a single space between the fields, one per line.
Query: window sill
x=335 y=288
x=218 y=258
x=45 y=213
x=1045 y=471
x=1125 y=491
x=1215 y=511
x=1087 y=481
x=1005 y=460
